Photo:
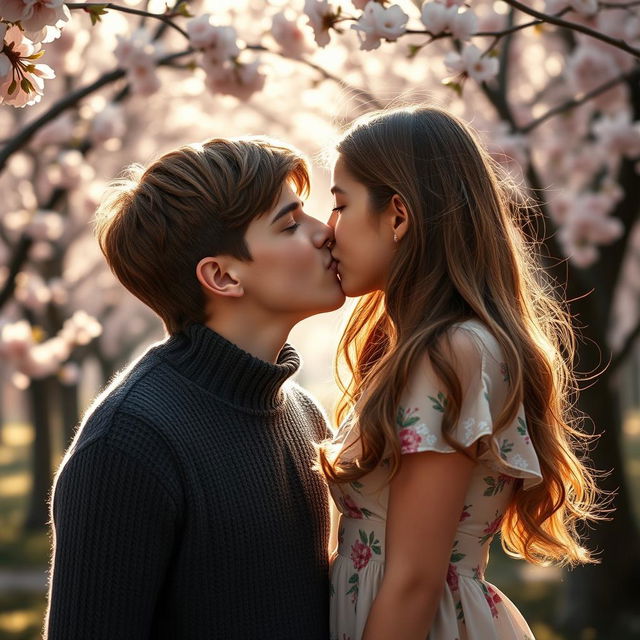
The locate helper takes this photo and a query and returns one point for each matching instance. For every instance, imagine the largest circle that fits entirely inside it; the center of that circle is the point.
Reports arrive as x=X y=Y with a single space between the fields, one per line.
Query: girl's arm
x=333 y=534
x=426 y=498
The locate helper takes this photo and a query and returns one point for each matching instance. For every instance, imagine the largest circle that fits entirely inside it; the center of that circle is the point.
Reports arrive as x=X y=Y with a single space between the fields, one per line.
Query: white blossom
x=288 y=35
x=618 y=135
x=241 y=80
x=320 y=16
x=35 y=15
x=472 y=63
x=377 y=22
x=21 y=83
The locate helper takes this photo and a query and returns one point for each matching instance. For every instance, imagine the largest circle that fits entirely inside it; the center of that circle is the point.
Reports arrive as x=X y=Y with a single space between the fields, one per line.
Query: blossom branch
x=163 y=17
x=22 y=138
x=363 y=94
x=576 y=102
x=574 y=26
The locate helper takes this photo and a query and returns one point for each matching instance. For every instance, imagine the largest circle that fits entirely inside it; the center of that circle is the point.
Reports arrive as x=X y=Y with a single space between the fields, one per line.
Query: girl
x=458 y=412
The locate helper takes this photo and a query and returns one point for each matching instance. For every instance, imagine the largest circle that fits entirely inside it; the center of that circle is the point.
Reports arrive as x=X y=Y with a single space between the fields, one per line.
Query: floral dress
x=470 y=608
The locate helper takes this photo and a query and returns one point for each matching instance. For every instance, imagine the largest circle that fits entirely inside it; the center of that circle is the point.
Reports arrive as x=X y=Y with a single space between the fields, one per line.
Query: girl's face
x=364 y=240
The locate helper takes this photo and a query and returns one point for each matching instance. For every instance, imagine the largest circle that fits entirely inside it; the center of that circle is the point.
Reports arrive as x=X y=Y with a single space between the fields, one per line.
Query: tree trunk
x=604 y=597
x=39 y=400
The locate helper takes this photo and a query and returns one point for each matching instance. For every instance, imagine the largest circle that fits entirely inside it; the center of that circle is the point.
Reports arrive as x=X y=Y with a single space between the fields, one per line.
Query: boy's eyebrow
x=336 y=189
x=288 y=208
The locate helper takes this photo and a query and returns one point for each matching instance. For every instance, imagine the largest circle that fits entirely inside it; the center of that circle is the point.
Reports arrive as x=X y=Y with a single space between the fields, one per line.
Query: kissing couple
x=193 y=502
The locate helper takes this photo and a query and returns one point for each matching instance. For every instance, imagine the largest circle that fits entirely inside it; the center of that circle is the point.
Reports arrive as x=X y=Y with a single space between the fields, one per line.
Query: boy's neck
x=262 y=340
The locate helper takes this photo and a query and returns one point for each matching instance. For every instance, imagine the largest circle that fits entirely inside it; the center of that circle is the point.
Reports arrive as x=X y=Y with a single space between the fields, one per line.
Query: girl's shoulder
x=482 y=336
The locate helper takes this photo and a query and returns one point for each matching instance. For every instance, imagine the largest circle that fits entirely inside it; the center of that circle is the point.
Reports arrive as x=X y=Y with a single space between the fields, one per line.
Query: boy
x=187 y=506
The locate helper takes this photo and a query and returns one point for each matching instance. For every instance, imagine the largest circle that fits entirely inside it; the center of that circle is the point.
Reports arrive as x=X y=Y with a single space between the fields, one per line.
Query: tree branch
x=574 y=26
x=22 y=138
x=163 y=17
x=576 y=102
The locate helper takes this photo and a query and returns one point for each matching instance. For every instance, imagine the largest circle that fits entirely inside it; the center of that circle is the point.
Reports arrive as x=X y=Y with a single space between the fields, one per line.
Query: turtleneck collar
x=229 y=372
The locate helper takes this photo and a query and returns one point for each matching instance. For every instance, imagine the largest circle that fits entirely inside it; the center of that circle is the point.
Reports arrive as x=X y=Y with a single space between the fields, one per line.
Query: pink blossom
x=57 y=131
x=436 y=17
x=218 y=43
x=31 y=291
x=46 y=225
x=288 y=35
x=107 y=124
x=463 y=25
x=241 y=80
x=321 y=16
x=472 y=63
x=377 y=22
x=21 y=80
x=144 y=79
x=34 y=15
x=80 y=329
x=588 y=67
x=509 y=148
x=15 y=340
x=360 y=4
x=138 y=49
x=618 y=135
x=69 y=373
x=452 y=578
x=70 y=171
x=409 y=440
x=451 y=3
x=584 y=7
x=360 y=554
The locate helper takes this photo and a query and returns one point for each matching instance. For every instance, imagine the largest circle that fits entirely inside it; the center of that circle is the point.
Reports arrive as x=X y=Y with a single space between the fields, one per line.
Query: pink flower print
x=360 y=554
x=492 y=599
x=409 y=441
x=465 y=512
x=452 y=578
x=350 y=507
x=491 y=529
x=504 y=371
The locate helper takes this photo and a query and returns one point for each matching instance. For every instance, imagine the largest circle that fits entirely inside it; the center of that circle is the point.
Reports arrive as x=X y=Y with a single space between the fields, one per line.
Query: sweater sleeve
x=114 y=528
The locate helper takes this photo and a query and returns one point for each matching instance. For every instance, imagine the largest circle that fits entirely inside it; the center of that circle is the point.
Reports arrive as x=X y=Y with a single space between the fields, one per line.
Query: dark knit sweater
x=187 y=506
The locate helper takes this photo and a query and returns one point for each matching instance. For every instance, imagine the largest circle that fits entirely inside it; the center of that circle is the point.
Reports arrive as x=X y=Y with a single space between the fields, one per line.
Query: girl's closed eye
x=291 y=228
x=338 y=209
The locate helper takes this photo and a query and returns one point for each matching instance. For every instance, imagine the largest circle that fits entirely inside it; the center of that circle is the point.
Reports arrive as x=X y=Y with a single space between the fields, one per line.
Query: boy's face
x=292 y=274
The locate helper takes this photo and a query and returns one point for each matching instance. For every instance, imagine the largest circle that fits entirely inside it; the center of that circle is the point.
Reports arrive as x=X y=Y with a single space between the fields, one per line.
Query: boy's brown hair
x=155 y=224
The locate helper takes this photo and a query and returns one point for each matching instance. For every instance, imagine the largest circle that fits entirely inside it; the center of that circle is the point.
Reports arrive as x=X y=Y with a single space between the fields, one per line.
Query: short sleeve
x=422 y=406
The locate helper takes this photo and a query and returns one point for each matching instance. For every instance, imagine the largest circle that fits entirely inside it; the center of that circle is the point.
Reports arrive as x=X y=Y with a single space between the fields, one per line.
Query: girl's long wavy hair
x=466 y=254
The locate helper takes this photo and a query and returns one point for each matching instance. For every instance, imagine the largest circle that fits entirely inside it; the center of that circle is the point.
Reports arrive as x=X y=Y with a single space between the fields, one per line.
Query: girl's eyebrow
x=336 y=189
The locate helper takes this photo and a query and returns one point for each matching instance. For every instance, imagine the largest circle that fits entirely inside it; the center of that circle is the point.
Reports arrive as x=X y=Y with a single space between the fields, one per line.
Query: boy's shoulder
x=308 y=404
x=114 y=409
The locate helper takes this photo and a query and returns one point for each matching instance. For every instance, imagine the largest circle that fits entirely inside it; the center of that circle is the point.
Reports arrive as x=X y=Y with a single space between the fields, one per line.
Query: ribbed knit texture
x=187 y=506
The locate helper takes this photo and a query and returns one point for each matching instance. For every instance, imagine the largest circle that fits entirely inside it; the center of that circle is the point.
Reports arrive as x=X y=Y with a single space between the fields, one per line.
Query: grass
x=534 y=591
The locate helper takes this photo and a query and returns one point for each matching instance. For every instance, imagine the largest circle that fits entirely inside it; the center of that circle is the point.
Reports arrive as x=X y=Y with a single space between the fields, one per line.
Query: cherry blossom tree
x=553 y=87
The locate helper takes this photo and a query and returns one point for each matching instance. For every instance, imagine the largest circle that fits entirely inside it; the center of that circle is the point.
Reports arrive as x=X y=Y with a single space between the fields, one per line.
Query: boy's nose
x=323 y=237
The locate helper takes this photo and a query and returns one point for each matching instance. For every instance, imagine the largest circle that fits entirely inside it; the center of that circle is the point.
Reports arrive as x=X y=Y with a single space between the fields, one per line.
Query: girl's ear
x=398 y=217
x=216 y=275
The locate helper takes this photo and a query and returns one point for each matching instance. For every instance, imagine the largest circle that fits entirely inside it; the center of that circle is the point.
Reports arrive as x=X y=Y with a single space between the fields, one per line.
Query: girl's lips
x=333 y=265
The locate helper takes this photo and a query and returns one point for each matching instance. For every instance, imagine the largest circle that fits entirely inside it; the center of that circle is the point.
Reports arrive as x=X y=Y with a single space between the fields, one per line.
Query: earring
x=395 y=237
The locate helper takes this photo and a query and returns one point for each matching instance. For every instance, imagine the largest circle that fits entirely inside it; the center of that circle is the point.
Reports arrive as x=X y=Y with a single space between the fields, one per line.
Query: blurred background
x=556 y=100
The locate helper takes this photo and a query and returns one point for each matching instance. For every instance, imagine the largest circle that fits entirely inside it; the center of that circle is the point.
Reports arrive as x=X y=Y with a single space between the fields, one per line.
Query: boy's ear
x=216 y=275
